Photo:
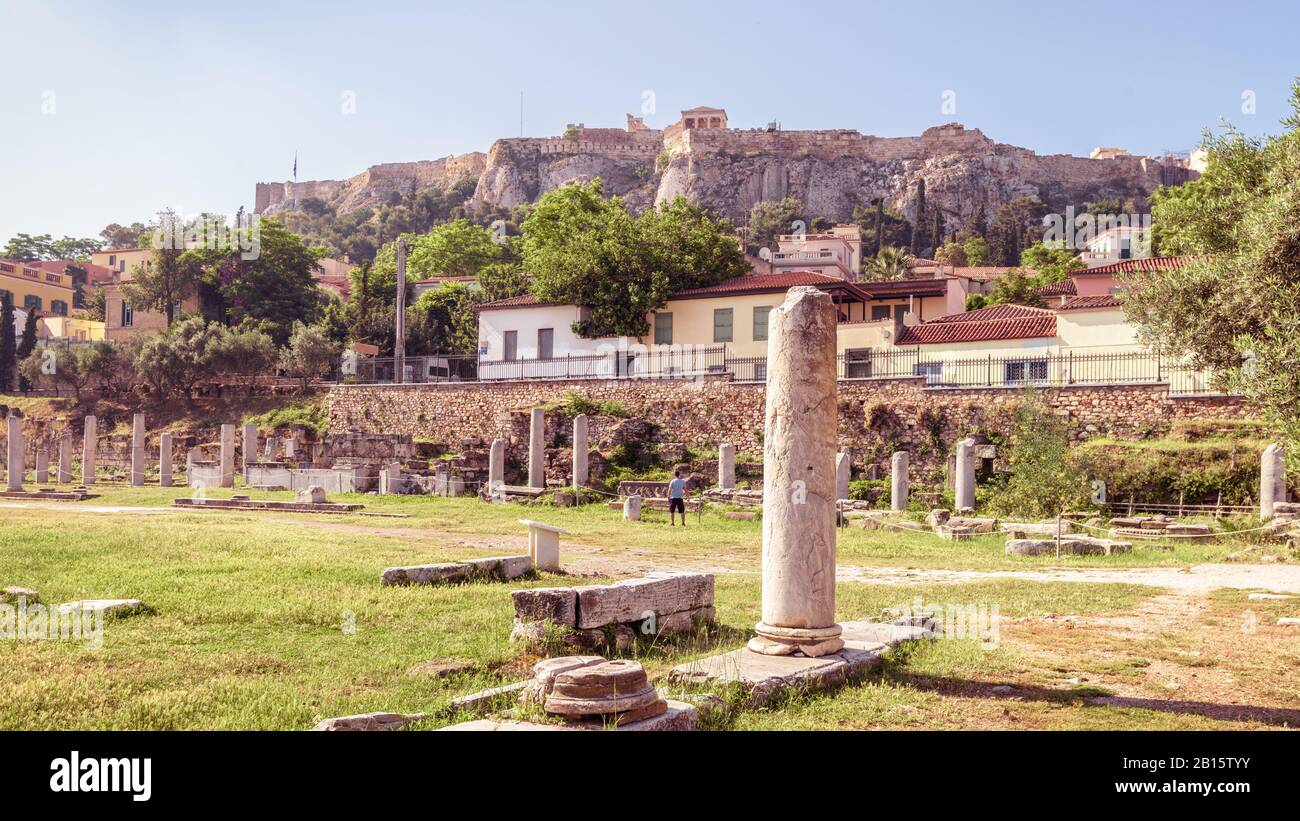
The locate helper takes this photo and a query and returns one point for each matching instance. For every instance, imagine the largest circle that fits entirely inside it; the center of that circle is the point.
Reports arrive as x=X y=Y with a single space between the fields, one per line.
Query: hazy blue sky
x=113 y=110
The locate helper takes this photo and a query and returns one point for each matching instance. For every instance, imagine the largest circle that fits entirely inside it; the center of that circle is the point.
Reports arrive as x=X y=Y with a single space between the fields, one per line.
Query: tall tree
x=880 y=224
x=171 y=276
x=1237 y=308
x=455 y=248
x=26 y=347
x=917 y=245
x=770 y=219
x=8 y=345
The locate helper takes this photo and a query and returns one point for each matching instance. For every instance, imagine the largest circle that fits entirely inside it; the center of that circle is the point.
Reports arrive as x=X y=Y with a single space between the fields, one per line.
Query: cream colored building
x=31 y=287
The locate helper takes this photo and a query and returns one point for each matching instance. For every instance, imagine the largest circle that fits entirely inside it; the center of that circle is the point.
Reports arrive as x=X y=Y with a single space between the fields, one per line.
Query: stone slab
x=679 y=717
x=631 y=599
x=485 y=700
x=258 y=504
x=555 y=604
x=502 y=568
x=47 y=495
x=447 y=573
x=368 y=722
x=117 y=607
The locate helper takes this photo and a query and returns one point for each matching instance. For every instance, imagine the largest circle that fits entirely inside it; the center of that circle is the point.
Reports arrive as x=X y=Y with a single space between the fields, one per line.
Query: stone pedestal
x=632 y=509
x=726 y=466
x=137 y=450
x=15 y=461
x=537 y=449
x=1272 y=479
x=799 y=480
x=89 y=446
x=42 y=468
x=544 y=545
x=964 y=481
x=248 y=454
x=898 y=467
x=65 y=458
x=227 y=455
x=580 y=448
x=496 y=469
x=164 y=460
x=843 y=467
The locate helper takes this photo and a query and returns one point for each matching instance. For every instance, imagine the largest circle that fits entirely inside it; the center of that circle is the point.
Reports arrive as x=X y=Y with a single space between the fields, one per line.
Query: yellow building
x=121 y=260
x=32 y=288
x=73 y=328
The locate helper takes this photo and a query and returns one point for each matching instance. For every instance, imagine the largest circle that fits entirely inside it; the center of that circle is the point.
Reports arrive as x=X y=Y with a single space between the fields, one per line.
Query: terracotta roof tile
x=993 y=312
x=1063 y=288
x=521 y=301
x=1130 y=266
x=781 y=281
x=1083 y=303
x=944 y=333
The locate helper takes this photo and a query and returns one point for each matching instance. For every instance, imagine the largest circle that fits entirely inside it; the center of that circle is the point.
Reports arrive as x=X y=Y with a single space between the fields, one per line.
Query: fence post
x=1069 y=367
x=988 y=372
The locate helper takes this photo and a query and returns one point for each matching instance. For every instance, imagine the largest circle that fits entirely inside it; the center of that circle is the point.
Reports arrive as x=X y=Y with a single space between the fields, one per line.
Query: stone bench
x=493 y=568
x=1074 y=545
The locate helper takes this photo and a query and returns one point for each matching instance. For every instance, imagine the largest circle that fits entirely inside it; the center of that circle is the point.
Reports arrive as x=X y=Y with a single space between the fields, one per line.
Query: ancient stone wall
x=877 y=417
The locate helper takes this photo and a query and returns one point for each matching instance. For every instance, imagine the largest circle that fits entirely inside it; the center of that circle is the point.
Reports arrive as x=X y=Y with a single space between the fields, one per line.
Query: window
x=721 y=324
x=664 y=328
x=760 y=322
x=932 y=371
x=128 y=315
x=511 y=346
x=857 y=363
x=31 y=302
x=59 y=307
x=1026 y=370
x=112 y=260
x=6 y=295
x=879 y=312
x=545 y=343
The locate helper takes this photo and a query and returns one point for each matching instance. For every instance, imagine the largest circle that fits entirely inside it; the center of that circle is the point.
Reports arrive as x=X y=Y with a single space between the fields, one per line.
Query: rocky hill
x=729 y=170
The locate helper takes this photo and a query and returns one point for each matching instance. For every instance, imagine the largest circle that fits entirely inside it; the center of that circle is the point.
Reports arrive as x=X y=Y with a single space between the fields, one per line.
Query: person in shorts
x=677 y=498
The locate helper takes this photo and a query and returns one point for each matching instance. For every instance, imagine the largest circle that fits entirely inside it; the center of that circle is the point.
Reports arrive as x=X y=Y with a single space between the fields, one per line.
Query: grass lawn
x=273 y=621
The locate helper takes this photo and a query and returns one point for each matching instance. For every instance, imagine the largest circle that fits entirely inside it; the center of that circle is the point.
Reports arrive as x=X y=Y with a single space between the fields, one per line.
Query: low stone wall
x=877 y=416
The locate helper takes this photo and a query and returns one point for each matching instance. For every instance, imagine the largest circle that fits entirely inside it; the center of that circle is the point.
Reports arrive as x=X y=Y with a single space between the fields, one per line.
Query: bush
x=1046 y=478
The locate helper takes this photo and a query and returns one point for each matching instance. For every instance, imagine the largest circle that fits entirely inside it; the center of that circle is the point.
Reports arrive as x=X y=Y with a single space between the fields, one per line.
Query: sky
x=110 y=111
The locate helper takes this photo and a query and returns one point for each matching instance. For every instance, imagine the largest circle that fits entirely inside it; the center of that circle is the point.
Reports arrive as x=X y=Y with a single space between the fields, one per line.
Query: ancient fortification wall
x=877 y=417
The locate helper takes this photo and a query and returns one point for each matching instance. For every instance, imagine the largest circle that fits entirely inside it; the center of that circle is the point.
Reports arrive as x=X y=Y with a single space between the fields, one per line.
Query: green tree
x=245 y=353
x=8 y=343
x=455 y=248
x=95 y=305
x=977 y=250
x=885 y=227
x=769 y=219
x=583 y=249
x=952 y=253
x=1045 y=479
x=502 y=280
x=1051 y=264
x=310 y=354
x=172 y=274
x=123 y=236
x=1237 y=309
x=917 y=245
x=890 y=263
x=1015 y=287
x=442 y=321
x=25 y=349
x=173 y=362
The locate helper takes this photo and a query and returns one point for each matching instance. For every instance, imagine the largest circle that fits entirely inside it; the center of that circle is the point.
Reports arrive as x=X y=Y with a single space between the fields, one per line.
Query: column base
x=790 y=641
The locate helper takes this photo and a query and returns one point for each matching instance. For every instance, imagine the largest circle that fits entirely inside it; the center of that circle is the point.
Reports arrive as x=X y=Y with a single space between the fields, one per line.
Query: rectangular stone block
x=631 y=600
x=502 y=568
x=554 y=604
x=426 y=574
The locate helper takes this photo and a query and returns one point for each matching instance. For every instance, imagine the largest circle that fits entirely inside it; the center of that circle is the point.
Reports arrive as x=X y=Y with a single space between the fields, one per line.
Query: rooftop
x=983 y=325
x=1132 y=266
x=1090 y=303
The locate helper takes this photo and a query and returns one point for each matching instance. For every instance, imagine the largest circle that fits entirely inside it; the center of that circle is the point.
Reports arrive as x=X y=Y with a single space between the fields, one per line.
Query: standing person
x=676 y=498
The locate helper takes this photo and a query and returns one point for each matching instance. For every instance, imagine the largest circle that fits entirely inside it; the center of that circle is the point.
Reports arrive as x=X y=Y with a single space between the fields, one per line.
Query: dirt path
x=1198 y=579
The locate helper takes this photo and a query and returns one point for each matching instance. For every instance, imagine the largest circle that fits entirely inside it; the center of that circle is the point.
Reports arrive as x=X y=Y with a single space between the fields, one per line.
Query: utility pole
x=399 y=340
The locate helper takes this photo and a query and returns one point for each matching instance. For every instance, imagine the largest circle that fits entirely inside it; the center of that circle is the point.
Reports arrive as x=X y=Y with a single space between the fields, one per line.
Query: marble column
x=65 y=458
x=580 y=451
x=726 y=466
x=137 y=450
x=843 y=468
x=89 y=445
x=227 y=455
x=1272 y=479
x=964 y=465
x=898 y=467
x=42 y=468
x=799 y=480
x=537 y=449
x=164 y=460
x=496 y=469
x=15 y=462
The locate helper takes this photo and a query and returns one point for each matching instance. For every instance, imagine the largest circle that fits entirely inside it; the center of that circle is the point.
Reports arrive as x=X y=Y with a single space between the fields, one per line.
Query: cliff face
x=728 y=170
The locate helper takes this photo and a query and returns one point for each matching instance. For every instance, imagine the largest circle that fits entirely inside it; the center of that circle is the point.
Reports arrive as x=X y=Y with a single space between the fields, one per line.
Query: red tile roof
x=1004 y=311
x=925 y=286
x=1130 y=266
x=521 y=301
x=1085 y=303
x=1063 y=288
x=95 y=274
x=764 y=283
x=982 y=325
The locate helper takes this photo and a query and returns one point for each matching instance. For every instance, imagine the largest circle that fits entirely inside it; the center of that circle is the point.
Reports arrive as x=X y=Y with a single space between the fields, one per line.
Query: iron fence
x=1025 y=370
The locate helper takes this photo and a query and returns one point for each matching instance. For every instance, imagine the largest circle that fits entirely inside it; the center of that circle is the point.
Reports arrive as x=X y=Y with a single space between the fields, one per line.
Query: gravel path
x=1201 y=578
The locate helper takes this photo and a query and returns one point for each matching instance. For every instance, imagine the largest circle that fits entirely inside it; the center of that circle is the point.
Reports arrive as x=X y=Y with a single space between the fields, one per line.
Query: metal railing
x=1027 y=370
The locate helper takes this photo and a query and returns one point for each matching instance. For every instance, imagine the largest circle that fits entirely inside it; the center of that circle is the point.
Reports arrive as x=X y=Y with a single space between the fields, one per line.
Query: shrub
x=1046 y=478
